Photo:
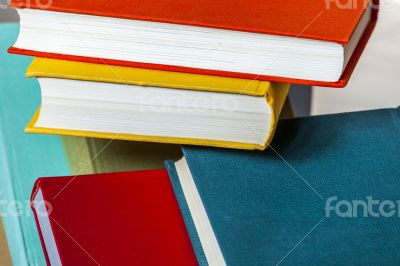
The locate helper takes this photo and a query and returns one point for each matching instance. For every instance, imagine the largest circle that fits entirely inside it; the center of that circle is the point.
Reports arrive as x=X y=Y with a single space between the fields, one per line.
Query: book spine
x=12 y=223
x=35 y=215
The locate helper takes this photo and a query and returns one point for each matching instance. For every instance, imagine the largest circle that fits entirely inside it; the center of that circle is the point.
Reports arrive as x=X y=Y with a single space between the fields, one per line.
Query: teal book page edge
x=23 y=157
x=298 y=202
x=187 y=217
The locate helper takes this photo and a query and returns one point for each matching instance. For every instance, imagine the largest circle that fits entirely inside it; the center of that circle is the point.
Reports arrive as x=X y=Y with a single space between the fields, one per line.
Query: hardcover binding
x=274 y=17
x=275 y=97
x=342 y=82
x=34 y=192
x=63 y=69
x=175 y=235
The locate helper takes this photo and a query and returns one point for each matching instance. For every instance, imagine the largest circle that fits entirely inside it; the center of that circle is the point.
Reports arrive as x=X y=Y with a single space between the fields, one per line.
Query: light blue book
x=327 y=192
x=23 y=158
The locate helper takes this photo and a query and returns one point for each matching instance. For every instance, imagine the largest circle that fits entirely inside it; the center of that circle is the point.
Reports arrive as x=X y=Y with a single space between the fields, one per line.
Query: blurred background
x=376 y=80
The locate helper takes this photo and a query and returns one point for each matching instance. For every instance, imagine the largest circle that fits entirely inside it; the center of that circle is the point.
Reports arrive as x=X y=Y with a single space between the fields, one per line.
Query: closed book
x=114 y=102
x=306 y=42
x=128 y=218
x=326 y=191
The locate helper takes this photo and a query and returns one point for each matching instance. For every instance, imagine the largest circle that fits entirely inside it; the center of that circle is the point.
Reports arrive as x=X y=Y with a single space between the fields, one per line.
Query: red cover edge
x=40 y=182
x=342 y=82
x=36 y=187
x=19 y=4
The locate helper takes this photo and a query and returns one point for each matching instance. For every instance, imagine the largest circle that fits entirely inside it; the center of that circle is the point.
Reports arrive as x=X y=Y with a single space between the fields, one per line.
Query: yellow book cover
x=273 y=93
x=54 y=68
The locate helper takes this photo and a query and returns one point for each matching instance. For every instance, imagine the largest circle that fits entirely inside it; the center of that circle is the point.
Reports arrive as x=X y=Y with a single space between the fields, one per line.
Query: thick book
x=114 y=102
x=111 y=219
x=306 y=42
x=326 y=191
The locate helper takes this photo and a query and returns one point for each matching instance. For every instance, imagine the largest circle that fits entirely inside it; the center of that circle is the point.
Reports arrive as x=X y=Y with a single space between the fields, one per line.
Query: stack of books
x=214 y=75
x=154 y=72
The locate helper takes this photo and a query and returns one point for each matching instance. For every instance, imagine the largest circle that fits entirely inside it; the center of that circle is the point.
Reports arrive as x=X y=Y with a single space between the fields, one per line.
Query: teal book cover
x=23 y=157
x=325 y=192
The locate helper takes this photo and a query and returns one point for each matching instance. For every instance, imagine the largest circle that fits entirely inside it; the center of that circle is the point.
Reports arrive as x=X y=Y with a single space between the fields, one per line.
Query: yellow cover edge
x=55 y=68
x=30 y=128
x=275 y=96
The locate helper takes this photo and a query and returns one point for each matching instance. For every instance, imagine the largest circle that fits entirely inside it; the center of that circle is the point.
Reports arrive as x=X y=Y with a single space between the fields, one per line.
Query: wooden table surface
x=5 y=259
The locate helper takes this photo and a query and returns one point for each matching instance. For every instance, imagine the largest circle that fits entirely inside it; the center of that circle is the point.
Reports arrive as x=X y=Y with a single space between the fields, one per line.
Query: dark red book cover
x=127 y=218
x=326 y=20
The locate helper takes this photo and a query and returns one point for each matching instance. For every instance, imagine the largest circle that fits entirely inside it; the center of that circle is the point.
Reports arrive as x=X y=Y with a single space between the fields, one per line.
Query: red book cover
x=127 y=218
x=336 y=22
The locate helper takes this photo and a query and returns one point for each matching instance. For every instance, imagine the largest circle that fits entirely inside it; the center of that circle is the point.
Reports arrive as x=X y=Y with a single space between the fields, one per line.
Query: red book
x=127 y=218
x=265 y=40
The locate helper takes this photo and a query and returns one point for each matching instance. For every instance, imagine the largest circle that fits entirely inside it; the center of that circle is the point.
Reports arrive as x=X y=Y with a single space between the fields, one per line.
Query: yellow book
x=114 y=102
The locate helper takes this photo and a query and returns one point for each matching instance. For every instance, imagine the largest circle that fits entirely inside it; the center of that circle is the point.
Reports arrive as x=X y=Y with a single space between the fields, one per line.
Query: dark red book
x=312 y=42
x=127 y=218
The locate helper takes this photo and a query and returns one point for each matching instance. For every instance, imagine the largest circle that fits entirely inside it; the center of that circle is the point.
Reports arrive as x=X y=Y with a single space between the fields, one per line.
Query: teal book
x=326 y=192
x=23 y=157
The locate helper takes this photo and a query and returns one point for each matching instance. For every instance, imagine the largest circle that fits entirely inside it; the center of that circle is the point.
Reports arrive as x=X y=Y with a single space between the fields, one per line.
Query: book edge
x=31 y=128
x=101 y=72
x=190 y=227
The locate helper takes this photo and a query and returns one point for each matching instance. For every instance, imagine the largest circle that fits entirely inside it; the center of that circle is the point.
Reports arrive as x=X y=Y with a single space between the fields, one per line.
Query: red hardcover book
x=334 y=22
x=127 y=218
